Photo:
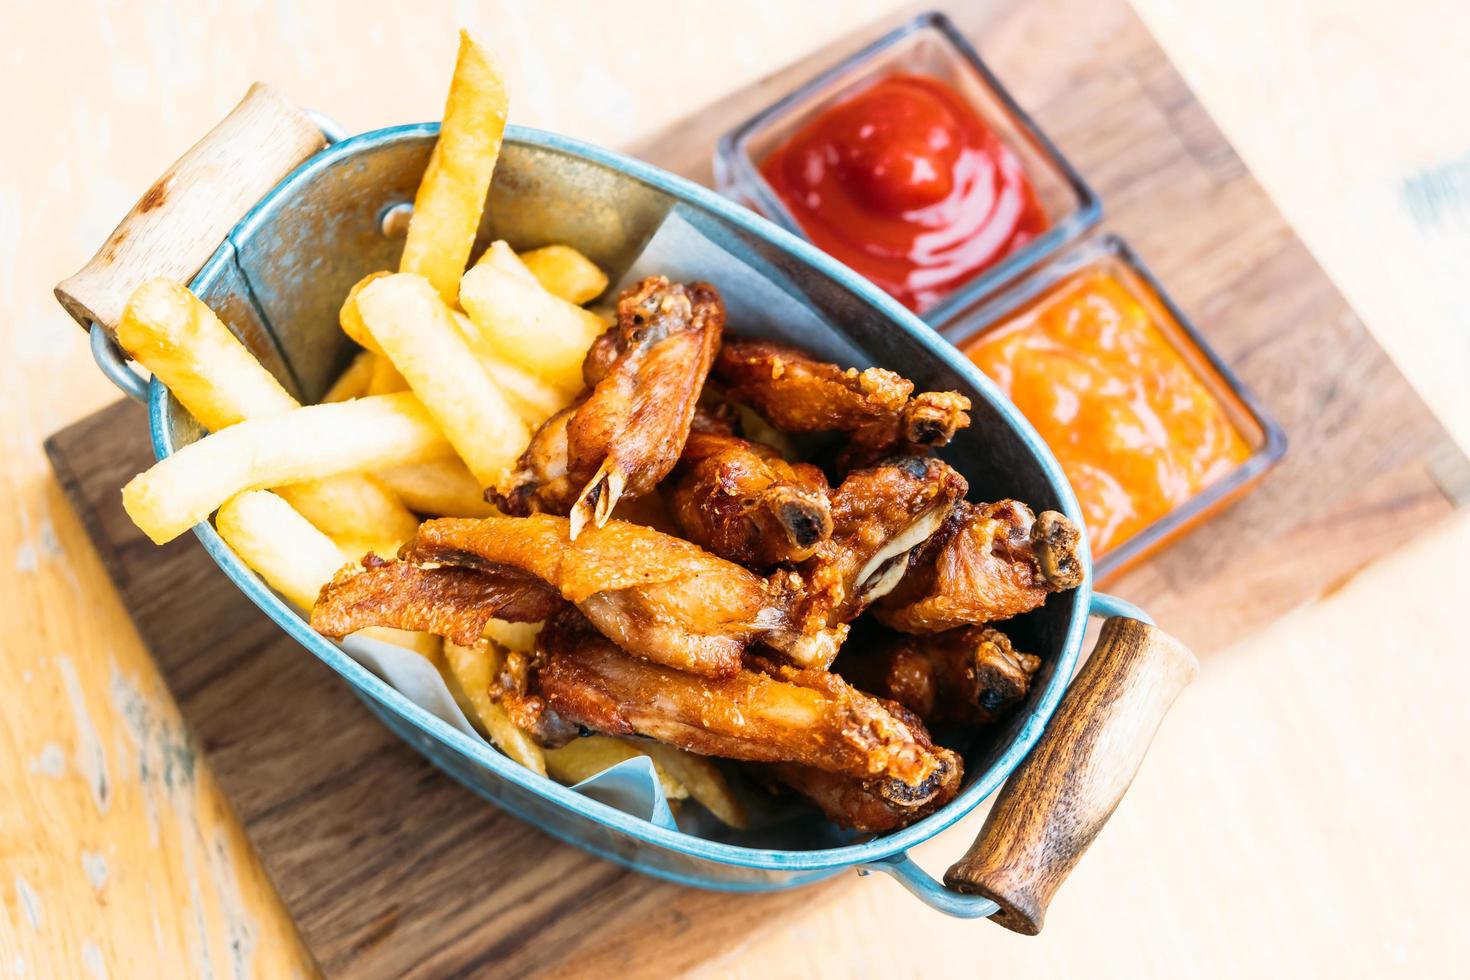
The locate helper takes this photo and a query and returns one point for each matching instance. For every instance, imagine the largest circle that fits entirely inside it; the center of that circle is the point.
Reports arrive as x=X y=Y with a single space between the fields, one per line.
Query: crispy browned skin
x=626 y=434
x=989 y=562
x=740 y=500
x=451 y=602
x=879 y=514
x=876 y=805
x=654 y=595
x=527 y=709
x=809 y=717
x=797 y=393
x=966 y=676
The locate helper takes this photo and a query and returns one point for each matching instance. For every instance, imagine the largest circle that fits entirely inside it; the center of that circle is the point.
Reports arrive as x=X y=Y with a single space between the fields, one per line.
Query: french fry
x=472 y=668
x=565 y=272
x=704 y=780
x=519 y=637
x=172 y=333
x=353 y=382
x=443 y=488
x=350 y=317
x=446 y=210
x=294 y=557
x=533 y=400
x=528 y=326
x=417 y=332
x=503 y=257
x=584 y=758
x=386 y=380
x=309 y=443
x=353 y=507
x=177 y=337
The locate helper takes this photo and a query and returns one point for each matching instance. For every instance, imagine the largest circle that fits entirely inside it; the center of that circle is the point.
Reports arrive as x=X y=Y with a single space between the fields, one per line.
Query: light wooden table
x=1299 y=814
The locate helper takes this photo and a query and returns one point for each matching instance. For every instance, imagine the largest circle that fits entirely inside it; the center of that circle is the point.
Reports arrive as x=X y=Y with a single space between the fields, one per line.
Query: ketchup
x=906 y=185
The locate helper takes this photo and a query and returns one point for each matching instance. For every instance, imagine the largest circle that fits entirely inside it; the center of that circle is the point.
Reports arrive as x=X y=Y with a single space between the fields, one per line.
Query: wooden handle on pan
x=179 y=222
x=1054 y=805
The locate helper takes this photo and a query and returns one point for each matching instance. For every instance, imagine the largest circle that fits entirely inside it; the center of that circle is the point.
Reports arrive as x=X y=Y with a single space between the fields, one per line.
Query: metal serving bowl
x=279 y=278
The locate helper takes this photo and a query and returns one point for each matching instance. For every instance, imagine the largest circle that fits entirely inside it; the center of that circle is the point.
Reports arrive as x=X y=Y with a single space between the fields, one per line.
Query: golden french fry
x=472 y=668
x=533 y=399
x=528 y=326
x=309 y=443
x=386 y=379
x=443 y=488
x=503 y=257
x=294 y=557
x=353 y=507
x=417 y=332
x=703 y=778
x=172 y=333
x=353 y=382
x=520 y=637
x=451 y=196
x=565 y=272
x=177 y=337
x=584 y=758
x=350 y=317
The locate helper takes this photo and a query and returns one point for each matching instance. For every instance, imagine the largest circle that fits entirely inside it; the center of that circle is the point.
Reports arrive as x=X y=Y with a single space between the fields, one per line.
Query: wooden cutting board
x=391 y=869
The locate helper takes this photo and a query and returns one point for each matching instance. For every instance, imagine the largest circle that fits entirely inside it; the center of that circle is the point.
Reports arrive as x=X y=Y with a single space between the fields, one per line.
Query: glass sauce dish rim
x=736 y=172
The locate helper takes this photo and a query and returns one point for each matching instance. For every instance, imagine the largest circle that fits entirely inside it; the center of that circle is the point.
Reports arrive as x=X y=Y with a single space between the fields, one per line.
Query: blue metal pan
x=278 y=279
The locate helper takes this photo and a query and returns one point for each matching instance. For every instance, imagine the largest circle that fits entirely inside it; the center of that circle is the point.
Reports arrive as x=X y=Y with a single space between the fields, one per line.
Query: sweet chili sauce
x=1133 y=426
x=906 y=184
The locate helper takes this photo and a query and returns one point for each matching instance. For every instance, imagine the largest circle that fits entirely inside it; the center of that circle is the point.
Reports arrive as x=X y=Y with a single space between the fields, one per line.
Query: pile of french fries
x=457 y=369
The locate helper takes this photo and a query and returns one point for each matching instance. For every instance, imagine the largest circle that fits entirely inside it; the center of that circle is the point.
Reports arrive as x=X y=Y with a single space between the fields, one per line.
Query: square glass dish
x=928 y=47
x=1133 y=402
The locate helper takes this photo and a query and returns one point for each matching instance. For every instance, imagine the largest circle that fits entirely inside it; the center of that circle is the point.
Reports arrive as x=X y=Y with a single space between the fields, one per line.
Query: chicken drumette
x=966 y=676
x=988 y=562
x=877 y=408
x=879 y=515
x=626 y=433
x=743 y=502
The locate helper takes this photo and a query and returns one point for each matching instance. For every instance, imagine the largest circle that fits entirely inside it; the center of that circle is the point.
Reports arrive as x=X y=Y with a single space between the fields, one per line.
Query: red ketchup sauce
x=905 y=184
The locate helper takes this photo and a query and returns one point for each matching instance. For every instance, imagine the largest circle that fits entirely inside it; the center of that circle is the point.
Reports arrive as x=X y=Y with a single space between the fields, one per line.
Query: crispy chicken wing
x=966 y=676
x=809 y=717
x=873 y=806
x=654 y=595
x=454 y=603
x=798 y=393
x=989 y=562
x=879 y=515
x=625 y=435
x=742 y=501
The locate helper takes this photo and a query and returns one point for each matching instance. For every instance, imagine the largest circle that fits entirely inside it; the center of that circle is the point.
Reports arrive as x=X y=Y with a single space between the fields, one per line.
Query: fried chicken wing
x=873 y=806
x=966 y=676
x=798 y=393
x=454 y=603
x=654 y=595
x=879 y=515
x=742 y=501
x=627 y=432
x=989 y=562
x=808 y=717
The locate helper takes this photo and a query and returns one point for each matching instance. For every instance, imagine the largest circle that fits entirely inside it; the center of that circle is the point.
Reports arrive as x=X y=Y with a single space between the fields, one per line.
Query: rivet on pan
x=394 y=221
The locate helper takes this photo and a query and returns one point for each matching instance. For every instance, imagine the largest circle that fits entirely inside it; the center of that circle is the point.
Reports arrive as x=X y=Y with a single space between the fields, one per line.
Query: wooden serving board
x=391 y=869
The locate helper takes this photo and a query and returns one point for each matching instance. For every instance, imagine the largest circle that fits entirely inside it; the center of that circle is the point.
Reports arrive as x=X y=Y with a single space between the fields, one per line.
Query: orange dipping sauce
x=1134 y=427
x=905 y=184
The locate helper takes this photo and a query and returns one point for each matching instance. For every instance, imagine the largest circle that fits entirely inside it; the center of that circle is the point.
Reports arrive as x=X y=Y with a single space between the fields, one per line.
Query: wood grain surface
x=1313 y=769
